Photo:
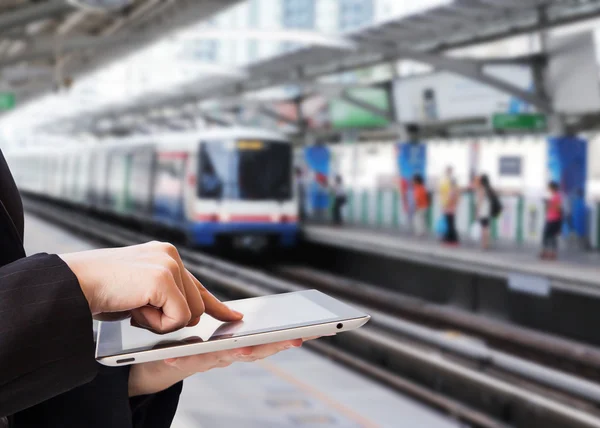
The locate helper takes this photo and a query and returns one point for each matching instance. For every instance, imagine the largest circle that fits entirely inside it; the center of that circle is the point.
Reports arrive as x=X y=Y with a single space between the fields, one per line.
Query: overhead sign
x=7 y=101
x=572 y=73
x=444 y=96
x=519 y=122
x=347 y=115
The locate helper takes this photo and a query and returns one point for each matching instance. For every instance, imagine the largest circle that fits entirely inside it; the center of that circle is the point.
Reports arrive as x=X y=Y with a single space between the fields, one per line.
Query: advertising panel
x=347 y=115
x=567 y=165
x=318 y=159
x=412 y=160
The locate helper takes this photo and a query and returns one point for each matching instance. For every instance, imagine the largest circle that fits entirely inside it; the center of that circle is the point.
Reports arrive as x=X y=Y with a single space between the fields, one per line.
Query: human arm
x=46 y=337
x=46 y=307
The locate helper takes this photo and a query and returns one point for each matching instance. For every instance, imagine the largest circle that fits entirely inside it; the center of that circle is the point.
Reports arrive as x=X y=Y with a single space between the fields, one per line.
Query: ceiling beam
x=45 y=48
x=371 y=108
x=35 y=12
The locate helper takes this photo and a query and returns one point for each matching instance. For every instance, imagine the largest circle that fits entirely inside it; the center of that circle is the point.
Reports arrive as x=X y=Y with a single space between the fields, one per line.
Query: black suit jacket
x=48 y=373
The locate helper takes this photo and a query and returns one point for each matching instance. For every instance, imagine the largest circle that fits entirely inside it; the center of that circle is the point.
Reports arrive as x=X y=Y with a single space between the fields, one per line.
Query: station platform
x=297 y=388
x=574 y=267
x=510 y=284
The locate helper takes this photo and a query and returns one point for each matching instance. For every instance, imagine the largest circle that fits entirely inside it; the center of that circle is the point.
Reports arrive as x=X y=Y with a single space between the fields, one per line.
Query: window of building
x=355 y=13
x=298 y=14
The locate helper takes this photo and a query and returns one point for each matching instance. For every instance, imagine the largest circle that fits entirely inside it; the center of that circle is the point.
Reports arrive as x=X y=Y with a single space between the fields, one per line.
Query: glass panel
x=245 y=170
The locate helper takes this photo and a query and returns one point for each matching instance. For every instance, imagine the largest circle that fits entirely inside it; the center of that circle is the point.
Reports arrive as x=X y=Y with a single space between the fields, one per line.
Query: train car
x=230 y=186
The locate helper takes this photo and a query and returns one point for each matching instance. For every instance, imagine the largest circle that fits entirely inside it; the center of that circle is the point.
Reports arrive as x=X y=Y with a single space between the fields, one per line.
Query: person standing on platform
x=421 y=206
x=554 y=219
x=487 y=208
x=444 y=189
x=339 y=200
x=449 y=195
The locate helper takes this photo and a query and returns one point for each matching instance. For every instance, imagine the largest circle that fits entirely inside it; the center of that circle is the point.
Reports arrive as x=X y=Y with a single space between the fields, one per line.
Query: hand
x=150 y=378
x=147 y=282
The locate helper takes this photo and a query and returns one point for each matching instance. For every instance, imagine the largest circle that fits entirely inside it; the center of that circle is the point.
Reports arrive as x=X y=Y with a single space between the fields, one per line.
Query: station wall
x=374 y=165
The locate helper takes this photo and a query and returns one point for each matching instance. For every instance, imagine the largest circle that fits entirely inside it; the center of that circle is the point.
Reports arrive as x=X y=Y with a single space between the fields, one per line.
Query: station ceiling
x=45 y=44
x=425 y=37
x=87 y=40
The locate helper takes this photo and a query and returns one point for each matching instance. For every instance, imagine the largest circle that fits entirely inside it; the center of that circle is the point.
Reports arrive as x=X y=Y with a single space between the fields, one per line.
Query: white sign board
x=444 y=96
x=572 y=74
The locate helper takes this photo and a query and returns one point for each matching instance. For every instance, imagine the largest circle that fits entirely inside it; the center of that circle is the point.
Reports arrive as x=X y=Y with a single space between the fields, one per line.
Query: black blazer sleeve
x=103 y=403
x=46 y=332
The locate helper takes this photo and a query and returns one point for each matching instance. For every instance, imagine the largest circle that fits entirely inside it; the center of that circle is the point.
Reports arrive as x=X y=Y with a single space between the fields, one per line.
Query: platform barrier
x=521 y=222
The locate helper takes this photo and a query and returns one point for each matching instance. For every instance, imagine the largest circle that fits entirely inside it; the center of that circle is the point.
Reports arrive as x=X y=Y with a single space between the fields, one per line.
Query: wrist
x=71 y=261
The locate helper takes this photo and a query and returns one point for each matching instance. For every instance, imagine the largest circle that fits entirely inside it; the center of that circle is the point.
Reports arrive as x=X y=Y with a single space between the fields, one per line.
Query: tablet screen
x=262 y=314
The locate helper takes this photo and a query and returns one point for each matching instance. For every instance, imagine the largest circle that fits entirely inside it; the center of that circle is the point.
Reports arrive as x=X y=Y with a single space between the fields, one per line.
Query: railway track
x=455 y=372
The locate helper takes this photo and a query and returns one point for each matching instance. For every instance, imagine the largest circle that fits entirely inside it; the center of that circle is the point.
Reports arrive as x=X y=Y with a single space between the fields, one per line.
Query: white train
x=230 y=186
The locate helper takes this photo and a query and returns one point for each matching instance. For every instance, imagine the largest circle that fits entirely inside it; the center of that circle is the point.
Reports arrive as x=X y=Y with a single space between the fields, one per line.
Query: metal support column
x=556 y=122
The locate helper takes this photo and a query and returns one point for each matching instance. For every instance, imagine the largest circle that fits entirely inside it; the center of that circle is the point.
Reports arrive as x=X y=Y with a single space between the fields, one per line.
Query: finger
x=192 y=294
x=146 y=317
x=113 y=316
x=261 y=352
x=186 y=283
x=270 y=349
x=205 y=362
x=174 y=311
x=214 y=307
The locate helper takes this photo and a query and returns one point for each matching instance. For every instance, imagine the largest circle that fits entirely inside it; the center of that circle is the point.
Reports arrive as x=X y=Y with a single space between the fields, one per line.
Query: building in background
x=355 y=14
x=327 y=16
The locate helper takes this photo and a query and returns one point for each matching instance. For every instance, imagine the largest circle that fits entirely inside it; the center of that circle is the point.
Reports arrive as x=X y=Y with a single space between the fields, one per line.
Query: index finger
x=214 y=307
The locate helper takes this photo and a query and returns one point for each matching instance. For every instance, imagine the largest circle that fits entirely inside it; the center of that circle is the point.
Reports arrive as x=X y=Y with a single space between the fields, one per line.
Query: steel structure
x=47 y=43
x=425 y=37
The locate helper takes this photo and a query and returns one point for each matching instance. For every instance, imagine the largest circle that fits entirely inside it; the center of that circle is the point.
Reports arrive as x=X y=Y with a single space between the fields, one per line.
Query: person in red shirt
x=553 y=223
x=421 y=205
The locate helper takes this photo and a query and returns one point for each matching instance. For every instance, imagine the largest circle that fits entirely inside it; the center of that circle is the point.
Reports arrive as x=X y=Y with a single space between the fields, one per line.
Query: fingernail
x=239 y=314
x=171 y=361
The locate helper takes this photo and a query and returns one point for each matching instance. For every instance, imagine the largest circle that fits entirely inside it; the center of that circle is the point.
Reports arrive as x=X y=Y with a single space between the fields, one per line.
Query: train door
x=140 y=181
x=117 y=181
x=169 y=187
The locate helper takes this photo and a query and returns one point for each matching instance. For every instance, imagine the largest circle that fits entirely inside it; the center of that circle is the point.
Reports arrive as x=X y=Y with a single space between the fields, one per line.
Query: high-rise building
x=355 y=13
x=299 y=14
x=327 y=16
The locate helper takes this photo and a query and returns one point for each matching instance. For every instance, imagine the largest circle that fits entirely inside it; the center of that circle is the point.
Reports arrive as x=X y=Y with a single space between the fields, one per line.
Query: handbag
x=441 y=226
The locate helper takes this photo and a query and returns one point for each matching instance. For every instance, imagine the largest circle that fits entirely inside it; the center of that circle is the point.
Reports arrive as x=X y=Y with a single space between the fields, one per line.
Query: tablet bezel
x=109 y=333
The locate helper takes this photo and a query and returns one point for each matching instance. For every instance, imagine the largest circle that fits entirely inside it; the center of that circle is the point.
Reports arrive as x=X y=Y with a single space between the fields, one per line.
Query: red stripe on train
x=251 y=218
x=247 y=218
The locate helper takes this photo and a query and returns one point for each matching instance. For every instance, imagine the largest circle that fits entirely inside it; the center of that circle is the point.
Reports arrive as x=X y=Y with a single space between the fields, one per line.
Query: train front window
x=245 y=170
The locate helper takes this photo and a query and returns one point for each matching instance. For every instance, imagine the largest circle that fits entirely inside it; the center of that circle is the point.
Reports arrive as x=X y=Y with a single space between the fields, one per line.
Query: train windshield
x=245 y=170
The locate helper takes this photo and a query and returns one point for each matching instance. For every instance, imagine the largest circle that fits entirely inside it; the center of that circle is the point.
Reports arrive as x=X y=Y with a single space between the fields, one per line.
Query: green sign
x=345 y=115
x=519 y=122
x=7 y=101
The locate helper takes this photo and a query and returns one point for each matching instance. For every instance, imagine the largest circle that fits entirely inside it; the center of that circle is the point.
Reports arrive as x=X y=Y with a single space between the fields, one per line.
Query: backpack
x=496 y=205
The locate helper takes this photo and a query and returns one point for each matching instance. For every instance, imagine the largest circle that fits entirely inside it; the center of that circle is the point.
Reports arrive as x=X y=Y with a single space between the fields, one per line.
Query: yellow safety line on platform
x=347 y=412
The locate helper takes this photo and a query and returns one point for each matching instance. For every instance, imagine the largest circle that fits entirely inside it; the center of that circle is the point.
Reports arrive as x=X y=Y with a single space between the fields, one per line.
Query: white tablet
x=267 y=319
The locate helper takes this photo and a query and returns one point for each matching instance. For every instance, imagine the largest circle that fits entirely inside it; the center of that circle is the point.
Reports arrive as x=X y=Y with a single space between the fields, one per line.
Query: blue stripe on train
x=204 y=234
